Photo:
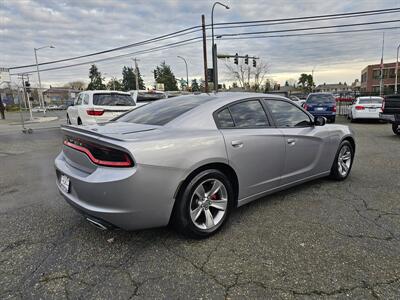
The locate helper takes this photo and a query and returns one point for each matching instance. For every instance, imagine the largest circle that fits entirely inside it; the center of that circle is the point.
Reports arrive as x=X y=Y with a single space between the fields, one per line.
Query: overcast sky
x=79 y=27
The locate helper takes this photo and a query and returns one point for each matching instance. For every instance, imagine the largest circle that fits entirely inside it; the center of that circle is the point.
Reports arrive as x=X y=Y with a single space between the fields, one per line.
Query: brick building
x=370 y=78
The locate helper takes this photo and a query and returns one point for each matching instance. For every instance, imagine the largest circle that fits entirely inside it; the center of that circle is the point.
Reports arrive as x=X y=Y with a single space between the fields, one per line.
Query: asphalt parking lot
x=323 y=239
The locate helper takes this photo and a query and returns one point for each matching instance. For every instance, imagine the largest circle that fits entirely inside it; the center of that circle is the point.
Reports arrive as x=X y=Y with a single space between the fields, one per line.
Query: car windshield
x=163 y=111
x=321 y=98
x=370 y=101
x=113 y=99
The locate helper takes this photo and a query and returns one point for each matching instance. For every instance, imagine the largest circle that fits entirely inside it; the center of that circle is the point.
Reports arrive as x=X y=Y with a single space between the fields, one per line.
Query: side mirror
x=319 y=121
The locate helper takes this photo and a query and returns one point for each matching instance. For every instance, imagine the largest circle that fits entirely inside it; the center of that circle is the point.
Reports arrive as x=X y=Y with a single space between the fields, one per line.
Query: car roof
x=202 y=115
x=105 y=92
x=369 y=97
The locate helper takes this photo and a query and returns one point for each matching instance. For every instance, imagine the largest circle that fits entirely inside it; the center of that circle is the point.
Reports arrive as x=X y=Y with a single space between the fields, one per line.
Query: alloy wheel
x=208 y=204
x=344 y=160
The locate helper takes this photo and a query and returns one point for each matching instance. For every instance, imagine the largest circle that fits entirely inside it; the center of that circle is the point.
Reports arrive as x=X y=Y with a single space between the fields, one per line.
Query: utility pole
x=136 y=72
x=203 y=27
x=397 y=69
x=381 y=89
x=41 y=102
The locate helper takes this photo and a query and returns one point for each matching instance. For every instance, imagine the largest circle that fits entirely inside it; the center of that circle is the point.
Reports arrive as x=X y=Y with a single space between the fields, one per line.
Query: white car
x=91 y=107
x=297 y=100
x=365 y=108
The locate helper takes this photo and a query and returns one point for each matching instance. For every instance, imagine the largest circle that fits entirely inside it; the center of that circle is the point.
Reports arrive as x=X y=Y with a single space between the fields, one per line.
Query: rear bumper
x=326 y=114
x=130 y=198
x=392 y=118
x=366 y=115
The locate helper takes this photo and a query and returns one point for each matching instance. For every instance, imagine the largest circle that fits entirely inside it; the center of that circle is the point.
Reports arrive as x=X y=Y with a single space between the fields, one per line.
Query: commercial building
x=370 y=78
x=59 y=95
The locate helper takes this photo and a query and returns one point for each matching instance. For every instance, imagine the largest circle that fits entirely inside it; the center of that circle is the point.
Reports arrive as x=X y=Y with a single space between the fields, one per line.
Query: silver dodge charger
x=190 y=160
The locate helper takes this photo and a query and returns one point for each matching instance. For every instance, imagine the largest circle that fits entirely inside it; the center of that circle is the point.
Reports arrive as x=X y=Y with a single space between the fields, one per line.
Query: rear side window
x=370 y=101
x=225 y=119
x=113 y=99
x=163 y=111
x=248 y=114
x=321 y=98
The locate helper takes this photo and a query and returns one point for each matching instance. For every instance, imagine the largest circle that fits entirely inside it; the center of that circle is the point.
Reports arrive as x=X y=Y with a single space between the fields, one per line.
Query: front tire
x=204 y=204
x=343 y=162
x=396 y=128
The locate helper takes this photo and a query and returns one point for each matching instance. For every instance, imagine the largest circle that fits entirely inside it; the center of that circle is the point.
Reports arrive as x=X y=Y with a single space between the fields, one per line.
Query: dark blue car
x=321 y=104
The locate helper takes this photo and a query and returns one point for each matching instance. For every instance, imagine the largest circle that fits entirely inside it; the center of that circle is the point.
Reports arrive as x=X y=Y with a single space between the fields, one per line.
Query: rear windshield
x=149 y=96
x=113 y=99
x=163 y=111
x=370 y=101
x=322 y=98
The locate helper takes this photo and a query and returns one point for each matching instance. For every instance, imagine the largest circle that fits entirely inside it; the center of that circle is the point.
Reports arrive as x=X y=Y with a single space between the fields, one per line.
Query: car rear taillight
x=334 y=108
x=305 y=106
x=383 y=104
x=359 y=107
x=95 y=111
x=100 y=155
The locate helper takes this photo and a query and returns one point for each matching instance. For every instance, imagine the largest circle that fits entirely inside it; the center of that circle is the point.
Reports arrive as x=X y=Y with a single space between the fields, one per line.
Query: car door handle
x=237 y=144
x=291 y=142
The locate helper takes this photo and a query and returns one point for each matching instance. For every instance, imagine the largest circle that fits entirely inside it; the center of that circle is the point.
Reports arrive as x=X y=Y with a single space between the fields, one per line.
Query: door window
x=79 y=100
x=86 y=100
x=225 y=119
x=287 y=114
x=248 y=114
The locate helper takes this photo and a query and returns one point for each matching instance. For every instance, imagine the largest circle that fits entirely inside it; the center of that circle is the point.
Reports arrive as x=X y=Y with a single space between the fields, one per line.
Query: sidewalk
x=12 y=123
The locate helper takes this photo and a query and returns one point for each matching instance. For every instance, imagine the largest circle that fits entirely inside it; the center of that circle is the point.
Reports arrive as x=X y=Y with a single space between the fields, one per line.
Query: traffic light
x=236 y=59
x=254 y=63
x=246 y=59
x=27 y=86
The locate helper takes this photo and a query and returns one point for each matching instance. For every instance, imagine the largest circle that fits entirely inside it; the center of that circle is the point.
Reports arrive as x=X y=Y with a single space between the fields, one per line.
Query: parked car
x=365 y=108
x=391 y=112
x=190 y=160
x=93 y=107
x=297 y=100
x=321 y=105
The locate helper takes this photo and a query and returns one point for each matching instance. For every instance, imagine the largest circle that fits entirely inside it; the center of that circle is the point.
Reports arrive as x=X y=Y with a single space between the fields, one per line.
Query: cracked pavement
x=321 y=240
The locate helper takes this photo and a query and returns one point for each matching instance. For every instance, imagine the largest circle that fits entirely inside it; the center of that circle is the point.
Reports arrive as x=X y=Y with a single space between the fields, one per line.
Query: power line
x=307 y=28
x=197 y=39
x=310 y=34
x=198 y=28
x=303 y=20
x=310 y=17
x=148 y=41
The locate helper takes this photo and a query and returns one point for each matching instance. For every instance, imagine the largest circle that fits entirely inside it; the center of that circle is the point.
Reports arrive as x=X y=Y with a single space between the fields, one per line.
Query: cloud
x=78 y=27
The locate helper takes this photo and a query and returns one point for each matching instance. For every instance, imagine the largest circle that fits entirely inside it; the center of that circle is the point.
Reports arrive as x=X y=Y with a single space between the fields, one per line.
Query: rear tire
x=204 y=204
x=68 y=120
x=396 y=128
x=343 y=162
x=79 y=121
x=333 y=119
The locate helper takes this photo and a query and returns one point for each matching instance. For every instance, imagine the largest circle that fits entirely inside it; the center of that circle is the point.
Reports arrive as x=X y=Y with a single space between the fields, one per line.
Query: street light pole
x=214 y=56
x=397 y=69
x=41 y=102
x=187 y=73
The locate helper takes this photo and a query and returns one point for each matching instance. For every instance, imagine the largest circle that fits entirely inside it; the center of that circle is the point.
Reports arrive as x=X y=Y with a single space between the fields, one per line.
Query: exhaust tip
x=98 y=224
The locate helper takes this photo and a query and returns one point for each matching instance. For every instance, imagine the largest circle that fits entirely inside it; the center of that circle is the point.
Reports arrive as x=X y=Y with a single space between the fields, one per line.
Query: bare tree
x=260 y=73
x=76 y=85
x=247 y=76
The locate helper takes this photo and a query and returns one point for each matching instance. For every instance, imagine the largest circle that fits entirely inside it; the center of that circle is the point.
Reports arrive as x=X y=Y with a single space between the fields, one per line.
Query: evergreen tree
x=96 y=81
x=195 y=86
x=163 y=74
x=129 y=79
x=114 y=84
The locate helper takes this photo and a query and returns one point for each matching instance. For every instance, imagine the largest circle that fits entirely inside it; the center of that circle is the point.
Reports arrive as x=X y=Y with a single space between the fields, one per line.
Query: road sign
x=4 y=75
